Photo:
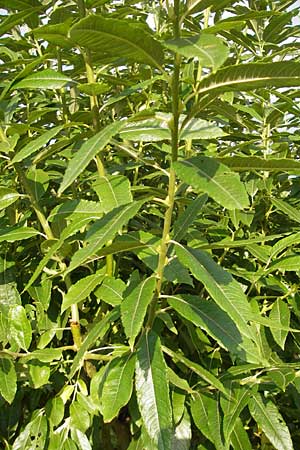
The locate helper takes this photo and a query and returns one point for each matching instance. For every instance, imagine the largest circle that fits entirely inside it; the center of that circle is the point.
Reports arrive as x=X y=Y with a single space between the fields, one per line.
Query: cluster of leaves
x=149 y=225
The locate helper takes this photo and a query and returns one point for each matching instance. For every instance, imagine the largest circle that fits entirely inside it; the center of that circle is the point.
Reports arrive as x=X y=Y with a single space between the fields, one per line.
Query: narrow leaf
x=81 y=290
x=270 y=420
x=117 y=387
x=249 y=163
x=113 y=191
x=87 y=152
x=280 y=314
x=218 y=181
x=289 y=210
x=36 y=144
x=7 y=197
x=103 y=231
x=20 y=328
x=17 y=234
x=118 y=38
x=8 y=379
x=153 y=391
x=45 y=79
x=134 y=307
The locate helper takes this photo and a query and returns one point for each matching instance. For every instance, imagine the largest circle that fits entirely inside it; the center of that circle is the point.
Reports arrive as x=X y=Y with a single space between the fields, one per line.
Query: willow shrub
x=149 y=226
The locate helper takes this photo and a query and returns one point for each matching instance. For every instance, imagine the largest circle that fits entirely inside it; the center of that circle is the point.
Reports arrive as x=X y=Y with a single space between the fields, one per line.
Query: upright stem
x=170 y=199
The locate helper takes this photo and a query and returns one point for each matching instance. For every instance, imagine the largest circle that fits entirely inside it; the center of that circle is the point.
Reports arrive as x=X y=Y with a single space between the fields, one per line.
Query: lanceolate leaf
x=45 y=79
x=217 y=323
x=289 y=210
x=113 y=191
x=186 y=218
x=134 y=307
x=36 y=144
x=7 y=197
x=81 y=290
x=270 y=420
x=117 y=387
x=280 y=314
x=104 y=230
x=218 y=181
x=17 y=234
x=87 y=152
x=210 y=50
x=246 y=77
x=153 y=391
x=8 y=379
x=118 y=38
x=248 y=163
x=20 y=328
x=224 y=290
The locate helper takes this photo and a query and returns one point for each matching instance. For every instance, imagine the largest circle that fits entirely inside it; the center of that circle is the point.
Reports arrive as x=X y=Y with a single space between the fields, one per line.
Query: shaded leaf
x=8 y=379
x=81 y=290
x=7 y=197
x=280 y=314
x=20 y=328
x=45 y=79
x=153 y=391
x=219 y=182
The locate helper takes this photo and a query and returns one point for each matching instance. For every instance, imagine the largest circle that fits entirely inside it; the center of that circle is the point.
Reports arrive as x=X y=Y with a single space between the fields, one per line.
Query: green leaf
x=17 y=234
x=44 y=355
x=153 y=391
x=97 y=331
x=76 y=210
x=134 y=307
x=103 y=230
x=39 y=373
x=206 y=414
x=81 y=290
x=284 y=244
x=117 y=386
x=187 y=217
x=118 y=38
x=36 y=144
x=246 y=77
x=233 y=406
x=80 y=438
x=280 y=314
x=239 y=437
x=8 y=379
x=80 y=418
x=45 y=79
x=17 y=18
x=111 y=290
x=87 y=152
x=55 y=410
x=7 y=197
x=157 y=128
x=113 y=191
x=183 y=433
x=289 y=210
x=20 y=328
x=271 y=422
x=220 y=285
x=208 y=49
x=204 y=374
x=34 y=435
x=289 y=263
x=209 y=176
x=249 y=163
x=208 y=316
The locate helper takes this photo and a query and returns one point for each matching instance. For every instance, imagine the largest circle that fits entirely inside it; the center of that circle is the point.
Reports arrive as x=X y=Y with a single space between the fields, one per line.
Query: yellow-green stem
x=170 y=199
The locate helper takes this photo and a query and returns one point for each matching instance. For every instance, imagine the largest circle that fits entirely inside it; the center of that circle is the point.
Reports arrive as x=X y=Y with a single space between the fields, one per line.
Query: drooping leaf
x=118 y=38
x=246 y=77
x=208 y=49
x=87 y=152
x=80 y=418
x=81 y=290
x=20 y=328
x=36 y=144
x=17 y=234
x=34 y=435
x=249 y=163
x=186 y=218
x=208 y=316
x=55 y=409
x=7 y=197
x=289 y=210
x=183 y=433
x=103 y=231
x=117 y=386
x=224 y=289
x=218 y=181
x=113 y=191
x=203 y=373
x=45 y=79
x=153 y=391
x=280 y=313
x=270 y=420
x=239 y=437
x=134 y=307
x=8 y=379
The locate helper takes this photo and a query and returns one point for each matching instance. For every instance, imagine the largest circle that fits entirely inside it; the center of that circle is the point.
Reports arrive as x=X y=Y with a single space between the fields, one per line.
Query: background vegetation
x=149 y=225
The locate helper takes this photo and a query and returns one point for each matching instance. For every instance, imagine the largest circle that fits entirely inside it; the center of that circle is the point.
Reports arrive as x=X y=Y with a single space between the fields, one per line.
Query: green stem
x=170 y=199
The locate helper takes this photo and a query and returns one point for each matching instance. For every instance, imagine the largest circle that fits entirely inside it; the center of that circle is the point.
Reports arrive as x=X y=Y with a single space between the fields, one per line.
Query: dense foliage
x=149 y=225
